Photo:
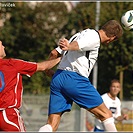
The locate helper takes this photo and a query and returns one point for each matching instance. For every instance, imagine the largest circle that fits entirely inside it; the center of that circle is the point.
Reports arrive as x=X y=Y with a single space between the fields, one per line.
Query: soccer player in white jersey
x=113 y=103
x=70 y=82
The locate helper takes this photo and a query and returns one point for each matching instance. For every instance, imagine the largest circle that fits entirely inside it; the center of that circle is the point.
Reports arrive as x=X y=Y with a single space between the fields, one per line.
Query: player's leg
x=105 y=115
x=52 y=123
x=58 y=103
x=12 y=121
x=86 y=96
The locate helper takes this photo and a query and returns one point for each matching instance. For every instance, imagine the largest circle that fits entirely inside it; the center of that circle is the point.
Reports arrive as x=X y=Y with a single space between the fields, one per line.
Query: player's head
x=113 y=30
x=2 y=51
x=115 y=87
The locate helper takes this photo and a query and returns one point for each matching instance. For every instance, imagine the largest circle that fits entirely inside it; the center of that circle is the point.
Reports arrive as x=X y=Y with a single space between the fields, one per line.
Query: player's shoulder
x=7 y=61
x=104 y=95
x=88 y=30
x=91 y=33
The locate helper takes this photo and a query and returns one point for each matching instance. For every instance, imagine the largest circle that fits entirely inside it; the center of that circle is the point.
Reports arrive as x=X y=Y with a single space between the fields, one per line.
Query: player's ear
x=113 y=38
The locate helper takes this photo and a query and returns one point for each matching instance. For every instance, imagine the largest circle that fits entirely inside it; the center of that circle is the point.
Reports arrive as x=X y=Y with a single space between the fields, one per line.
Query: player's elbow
x=41 y=67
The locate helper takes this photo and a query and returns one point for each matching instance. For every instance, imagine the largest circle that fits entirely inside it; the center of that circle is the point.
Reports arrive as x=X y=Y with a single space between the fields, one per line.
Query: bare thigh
x=54 y=120
x=101 y=112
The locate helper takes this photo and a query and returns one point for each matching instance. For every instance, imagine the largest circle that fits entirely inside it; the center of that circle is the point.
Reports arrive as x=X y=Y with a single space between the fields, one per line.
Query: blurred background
x=30 y=30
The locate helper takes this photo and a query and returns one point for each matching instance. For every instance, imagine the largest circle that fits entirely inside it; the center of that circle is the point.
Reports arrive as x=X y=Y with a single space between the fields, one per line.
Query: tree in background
x=30 y=32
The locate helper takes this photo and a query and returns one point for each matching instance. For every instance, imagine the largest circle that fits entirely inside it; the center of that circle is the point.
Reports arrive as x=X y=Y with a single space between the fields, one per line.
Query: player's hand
x=125 y=117
x=49 y=72
x=64 y=44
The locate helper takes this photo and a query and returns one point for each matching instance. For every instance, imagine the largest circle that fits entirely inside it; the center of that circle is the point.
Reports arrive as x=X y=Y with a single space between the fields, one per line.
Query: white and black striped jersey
x=83 y=60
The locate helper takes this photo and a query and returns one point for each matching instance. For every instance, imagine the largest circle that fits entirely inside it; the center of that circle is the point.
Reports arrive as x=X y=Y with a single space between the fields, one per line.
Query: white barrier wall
x=34 y=113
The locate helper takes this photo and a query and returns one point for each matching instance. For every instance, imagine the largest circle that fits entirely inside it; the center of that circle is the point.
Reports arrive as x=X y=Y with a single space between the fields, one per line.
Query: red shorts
x=10 y=120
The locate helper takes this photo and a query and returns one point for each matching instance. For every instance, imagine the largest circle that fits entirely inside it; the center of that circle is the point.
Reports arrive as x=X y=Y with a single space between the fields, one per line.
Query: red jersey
x=11 y=88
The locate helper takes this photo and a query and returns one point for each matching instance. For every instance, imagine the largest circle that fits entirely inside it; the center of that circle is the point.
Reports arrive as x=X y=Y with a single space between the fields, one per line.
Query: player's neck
x=112 y=97
x=103 y=36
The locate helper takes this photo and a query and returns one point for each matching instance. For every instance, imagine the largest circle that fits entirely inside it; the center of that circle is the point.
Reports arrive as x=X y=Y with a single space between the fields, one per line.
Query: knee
x=109 y=114
x=101 y=112
x=106 y=115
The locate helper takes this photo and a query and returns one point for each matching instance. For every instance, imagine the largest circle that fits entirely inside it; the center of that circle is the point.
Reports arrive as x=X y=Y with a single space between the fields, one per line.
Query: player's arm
x=65 y=45
x=54 y=54
x=122 y=117
x=48 y=64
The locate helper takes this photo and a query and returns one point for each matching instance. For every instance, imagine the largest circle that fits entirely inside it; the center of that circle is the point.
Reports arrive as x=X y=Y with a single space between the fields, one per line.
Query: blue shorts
x=68 y=87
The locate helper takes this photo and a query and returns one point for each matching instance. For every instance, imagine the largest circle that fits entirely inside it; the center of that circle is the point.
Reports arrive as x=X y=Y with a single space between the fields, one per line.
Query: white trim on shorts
x=20 y=122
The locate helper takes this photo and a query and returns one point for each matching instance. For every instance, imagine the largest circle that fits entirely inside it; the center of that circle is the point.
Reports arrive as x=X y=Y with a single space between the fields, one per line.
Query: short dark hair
x=113 y=28
x=114 y=81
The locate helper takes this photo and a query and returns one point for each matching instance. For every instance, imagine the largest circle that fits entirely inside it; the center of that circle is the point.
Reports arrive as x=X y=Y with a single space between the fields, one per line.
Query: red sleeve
x=24 y=67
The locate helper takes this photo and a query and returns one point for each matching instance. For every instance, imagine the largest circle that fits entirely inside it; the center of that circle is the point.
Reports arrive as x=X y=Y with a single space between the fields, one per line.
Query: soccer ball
x=127 y=20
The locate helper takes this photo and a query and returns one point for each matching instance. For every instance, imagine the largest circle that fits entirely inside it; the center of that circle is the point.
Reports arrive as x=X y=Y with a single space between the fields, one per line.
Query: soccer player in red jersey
x=11 y=88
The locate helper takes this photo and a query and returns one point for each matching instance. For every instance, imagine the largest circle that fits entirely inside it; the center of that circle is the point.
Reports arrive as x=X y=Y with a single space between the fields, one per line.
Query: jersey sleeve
x=24 y=67
x=74 y=37
x=70 y=40
x=88 y=40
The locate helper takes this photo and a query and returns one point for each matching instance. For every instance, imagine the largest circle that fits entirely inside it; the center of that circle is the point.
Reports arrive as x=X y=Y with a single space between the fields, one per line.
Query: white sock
x=46 y=128
x=109 y=125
